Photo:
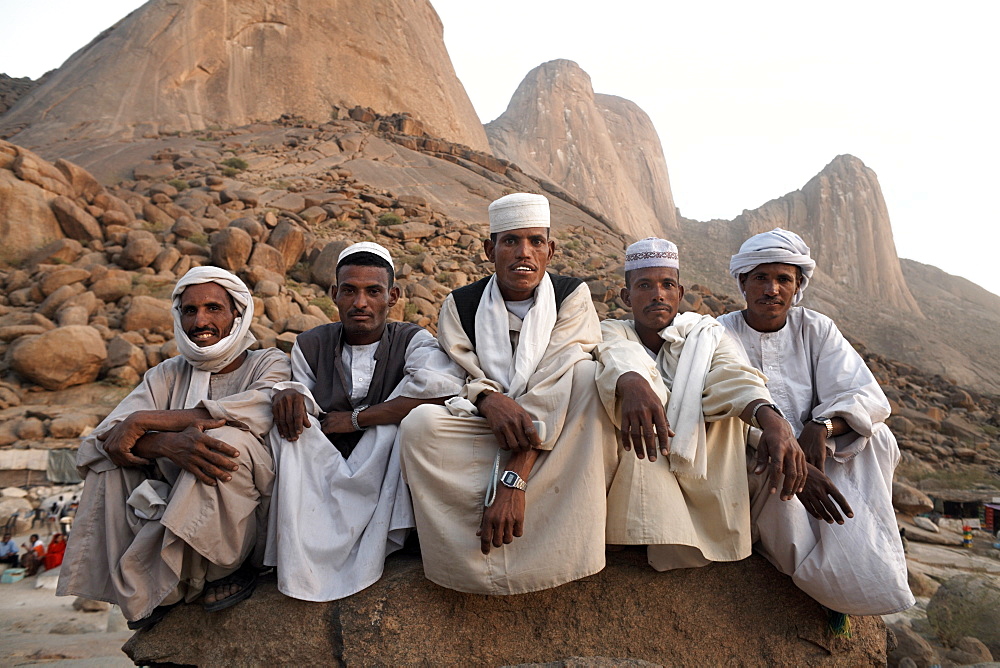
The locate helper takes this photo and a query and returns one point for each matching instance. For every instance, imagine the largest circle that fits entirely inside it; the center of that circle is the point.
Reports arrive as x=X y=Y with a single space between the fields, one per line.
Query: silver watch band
x=826 y=422
x=753 y=416
x=513 y=480
x=354 y=417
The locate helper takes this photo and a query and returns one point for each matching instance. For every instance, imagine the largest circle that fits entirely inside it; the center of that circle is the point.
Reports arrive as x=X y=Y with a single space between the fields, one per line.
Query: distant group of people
x=36 y=555
x=519 y=443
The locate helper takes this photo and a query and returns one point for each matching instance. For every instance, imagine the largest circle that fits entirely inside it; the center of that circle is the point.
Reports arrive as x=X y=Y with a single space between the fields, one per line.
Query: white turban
x=651 y=252
x=212 y=359
x=517 y=211
x=367 y=247
x=777 y=246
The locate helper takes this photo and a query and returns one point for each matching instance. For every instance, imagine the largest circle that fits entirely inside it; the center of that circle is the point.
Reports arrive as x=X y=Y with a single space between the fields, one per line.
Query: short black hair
x=628 y=277
x=366 y=259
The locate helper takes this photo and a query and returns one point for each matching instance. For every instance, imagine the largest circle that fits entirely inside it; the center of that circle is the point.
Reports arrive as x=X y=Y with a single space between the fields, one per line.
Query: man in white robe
x=676 y=385
x=340 y=505
x=178 y=475
x=509 y=479
x=852 y=564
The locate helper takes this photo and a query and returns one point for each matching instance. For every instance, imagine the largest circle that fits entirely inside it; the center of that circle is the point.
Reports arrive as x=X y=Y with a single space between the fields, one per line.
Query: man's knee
x=421 y=424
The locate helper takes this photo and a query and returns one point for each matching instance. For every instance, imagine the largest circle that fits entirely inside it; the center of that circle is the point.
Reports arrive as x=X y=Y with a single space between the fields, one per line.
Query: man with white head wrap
x=852 y=565
x=340 y=505
x=178 y=475
x=676 y=385
x=509 y=479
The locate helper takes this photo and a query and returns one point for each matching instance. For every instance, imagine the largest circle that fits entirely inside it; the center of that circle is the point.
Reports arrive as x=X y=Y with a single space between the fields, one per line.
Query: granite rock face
x=246 y=61
x=742 y=613
x=601 y=149
x=842 y=216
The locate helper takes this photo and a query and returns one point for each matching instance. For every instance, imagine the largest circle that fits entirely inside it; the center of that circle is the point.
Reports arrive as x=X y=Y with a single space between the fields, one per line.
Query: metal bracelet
x=753 y=416
x=354 y=417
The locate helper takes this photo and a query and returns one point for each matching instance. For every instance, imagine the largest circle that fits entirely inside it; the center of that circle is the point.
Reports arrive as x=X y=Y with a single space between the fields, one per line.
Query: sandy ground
x=39 y=628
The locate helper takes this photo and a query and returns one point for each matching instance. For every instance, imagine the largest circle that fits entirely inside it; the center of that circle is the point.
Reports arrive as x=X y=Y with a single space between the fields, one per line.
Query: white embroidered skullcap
x=517 y=211
x=651 y=252
x=367 y=247
x=777 y=246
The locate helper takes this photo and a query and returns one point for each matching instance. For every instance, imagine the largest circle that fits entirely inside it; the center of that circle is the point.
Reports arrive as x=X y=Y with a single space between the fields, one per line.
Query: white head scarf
x=212 y=359
x=651 y=252
x=518 y=211
x=777 y=246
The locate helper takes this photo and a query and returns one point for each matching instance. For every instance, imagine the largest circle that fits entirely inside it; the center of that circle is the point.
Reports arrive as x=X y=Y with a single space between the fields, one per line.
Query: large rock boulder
x=910 y=500
x=967 y=605
x=603 y=150
x=741 y=613
x=255 y=60
x=22 y=201
x=61 y=357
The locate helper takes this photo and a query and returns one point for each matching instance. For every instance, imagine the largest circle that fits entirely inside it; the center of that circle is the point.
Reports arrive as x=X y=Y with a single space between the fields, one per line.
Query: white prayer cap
x=651 y=252
x=517 y=211
x=777 y=246
x=367 y=247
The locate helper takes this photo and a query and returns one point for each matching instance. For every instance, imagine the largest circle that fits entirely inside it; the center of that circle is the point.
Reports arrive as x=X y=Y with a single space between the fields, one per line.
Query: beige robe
x=206 y=532
x=685 y=521
x=448 y=464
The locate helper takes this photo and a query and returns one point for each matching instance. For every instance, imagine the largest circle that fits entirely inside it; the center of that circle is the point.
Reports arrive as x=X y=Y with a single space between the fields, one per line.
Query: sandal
x=151 y=619
x=245 y=578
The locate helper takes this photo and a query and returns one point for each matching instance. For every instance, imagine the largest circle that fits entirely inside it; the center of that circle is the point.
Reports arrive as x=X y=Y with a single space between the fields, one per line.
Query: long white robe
x=335 y=520
x=684 y=520
x=206 y=531
x=448 y=463
x=858 y=567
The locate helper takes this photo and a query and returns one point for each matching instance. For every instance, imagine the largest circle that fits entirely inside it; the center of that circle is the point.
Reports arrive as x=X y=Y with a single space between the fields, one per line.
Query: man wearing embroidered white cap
x=509 y=479
x=852 y=565
x=676 y=386
x=340 y=505
x=178 y=475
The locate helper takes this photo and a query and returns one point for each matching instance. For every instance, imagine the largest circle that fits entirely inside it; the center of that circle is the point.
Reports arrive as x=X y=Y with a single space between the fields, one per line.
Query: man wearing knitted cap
x=178 y=475
x=850 y=560
x=340 y=505
x=508 y=479
x=677 y=387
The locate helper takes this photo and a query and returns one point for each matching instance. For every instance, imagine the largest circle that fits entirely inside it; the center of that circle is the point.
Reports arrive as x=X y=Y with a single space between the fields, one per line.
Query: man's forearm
x=522 y=461
x=176 y=420
x=153 y=445
x=393 y=411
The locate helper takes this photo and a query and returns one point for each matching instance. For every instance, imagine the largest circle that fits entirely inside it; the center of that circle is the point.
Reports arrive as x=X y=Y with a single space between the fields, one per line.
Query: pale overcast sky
x=750 y=100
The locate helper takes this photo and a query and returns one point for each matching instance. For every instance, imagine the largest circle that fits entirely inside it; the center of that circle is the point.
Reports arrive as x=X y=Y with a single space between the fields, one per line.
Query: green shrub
x=179 y=184
x=326 y=305
x=389 y=218
x=236 y=163
x=230 y=171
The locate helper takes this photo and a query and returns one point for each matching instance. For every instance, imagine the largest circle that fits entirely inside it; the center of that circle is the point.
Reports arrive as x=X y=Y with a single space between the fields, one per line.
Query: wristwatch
x=753 y=416
x=354 y=417
x=826 y=422
x=513 y=480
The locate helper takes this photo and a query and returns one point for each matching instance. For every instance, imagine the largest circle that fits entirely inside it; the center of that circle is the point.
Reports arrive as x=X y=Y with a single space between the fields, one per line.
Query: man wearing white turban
x=509 y=478
x=178 y=476
x=677 y=386
x=851 y=560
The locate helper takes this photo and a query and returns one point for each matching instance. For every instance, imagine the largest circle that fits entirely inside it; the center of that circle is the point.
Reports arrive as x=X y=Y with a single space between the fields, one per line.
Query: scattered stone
x=148 y=313
x=910 y=500
x=71 y=425
x=141 y=248
x=324 y=268
x=967 y=605
x=75 y=222
x=231 y=248
x=87 y=605
x=60 y=358
x=910 y=645
x=926 y=524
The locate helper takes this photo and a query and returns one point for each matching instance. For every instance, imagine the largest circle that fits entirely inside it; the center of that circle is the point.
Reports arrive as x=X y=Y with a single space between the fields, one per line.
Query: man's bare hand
x=503 y=521
x=644 y=423
x=121 y=439
x=510 y=423
x=779 y=453
x=813 y=442
x=338 y=422
x=290 y=415
x=208 y=458
x=821 y=498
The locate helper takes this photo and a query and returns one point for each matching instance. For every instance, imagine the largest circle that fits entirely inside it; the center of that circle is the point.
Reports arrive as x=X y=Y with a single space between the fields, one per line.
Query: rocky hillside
x=246 y=61
x=602 y=149
x=12 y=89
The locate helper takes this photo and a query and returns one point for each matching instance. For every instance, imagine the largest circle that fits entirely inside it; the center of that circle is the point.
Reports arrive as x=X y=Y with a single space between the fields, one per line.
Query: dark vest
x=322 y=348
x=467 y=299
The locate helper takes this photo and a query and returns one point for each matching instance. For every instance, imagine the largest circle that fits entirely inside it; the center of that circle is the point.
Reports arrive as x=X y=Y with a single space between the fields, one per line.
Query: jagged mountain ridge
x=179 y=66
x=601 y=148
